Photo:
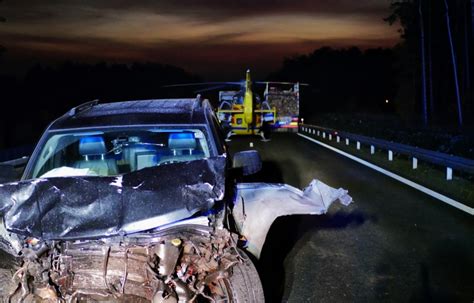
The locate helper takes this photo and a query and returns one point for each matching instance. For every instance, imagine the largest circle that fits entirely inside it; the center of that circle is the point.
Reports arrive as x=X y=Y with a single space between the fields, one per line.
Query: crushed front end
x=181 y=264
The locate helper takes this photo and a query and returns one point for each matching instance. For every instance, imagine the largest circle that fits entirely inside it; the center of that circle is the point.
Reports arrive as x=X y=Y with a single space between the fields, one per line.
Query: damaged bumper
x=257 y=205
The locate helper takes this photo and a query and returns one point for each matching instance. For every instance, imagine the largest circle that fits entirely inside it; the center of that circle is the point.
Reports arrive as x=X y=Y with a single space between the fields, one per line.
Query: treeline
x=436 y=60
x=427 y=78
x=31 y=102
x=343 y=80
x=415 y=82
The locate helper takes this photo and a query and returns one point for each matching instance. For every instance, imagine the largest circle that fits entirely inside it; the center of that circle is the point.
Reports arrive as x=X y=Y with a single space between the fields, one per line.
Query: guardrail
x=15 y=152
x=16 y=162
x=437 y=158
x=11 y=170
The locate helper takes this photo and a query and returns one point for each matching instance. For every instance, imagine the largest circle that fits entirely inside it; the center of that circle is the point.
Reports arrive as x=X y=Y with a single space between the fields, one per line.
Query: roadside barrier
x=416 y=154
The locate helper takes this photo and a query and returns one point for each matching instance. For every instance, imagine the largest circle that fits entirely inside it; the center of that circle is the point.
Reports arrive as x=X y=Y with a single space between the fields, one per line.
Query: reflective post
x=372 y=149
x=358 y=145
x=449 y=173
x=390 y=155
x=414 y=163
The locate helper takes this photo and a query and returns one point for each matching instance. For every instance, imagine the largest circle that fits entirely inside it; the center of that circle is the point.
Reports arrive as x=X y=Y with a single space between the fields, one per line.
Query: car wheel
x=244 y=284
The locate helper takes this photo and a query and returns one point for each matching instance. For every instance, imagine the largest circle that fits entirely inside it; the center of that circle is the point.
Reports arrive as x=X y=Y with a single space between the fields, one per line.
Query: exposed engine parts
x=184 y=265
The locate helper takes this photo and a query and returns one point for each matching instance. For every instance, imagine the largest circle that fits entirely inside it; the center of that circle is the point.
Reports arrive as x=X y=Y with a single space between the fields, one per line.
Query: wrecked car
x=138 y=201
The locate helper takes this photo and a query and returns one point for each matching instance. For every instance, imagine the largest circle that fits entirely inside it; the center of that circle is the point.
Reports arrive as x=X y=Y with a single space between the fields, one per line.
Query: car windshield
x=117 y=151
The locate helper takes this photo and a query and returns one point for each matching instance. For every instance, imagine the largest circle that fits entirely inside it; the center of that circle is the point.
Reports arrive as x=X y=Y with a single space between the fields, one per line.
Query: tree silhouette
x=453 y=60
x=2 y=19
x=423 y=64
x=342 y=80
x=50 y=91
x=439 y=95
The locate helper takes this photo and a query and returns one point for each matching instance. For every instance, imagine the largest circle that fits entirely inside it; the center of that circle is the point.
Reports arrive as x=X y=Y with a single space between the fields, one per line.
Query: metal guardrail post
x=449 y=173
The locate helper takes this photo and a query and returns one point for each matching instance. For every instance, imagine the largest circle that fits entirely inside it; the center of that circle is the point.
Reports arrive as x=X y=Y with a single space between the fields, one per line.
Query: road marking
x=417 y=186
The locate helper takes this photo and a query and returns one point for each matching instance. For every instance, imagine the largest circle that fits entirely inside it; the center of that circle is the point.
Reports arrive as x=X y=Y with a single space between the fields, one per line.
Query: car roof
x=154 y=111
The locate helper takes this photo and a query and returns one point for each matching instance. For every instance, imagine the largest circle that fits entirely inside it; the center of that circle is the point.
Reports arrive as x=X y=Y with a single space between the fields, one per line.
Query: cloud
x=204 y=58
x=199 y=35
x=205 y=10
x=143 y=27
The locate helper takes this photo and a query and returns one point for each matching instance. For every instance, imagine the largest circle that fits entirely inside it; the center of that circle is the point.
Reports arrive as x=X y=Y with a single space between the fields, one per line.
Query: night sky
x=210 y=37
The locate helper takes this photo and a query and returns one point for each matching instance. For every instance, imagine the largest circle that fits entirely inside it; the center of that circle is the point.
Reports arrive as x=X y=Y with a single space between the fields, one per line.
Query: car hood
x=85 y=207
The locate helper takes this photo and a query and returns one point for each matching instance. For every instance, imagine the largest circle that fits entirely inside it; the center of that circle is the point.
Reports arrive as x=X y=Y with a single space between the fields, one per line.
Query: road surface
x=393 y=244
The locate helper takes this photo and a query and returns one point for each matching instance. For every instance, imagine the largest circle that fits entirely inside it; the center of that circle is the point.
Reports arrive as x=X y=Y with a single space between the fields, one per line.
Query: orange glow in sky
x=197 y=35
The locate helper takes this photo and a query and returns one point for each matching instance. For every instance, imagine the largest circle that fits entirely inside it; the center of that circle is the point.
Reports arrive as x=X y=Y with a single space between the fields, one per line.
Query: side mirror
x=249 y=161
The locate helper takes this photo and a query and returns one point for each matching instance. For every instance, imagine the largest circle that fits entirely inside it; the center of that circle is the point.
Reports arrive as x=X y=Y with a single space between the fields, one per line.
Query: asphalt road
x=393 y=244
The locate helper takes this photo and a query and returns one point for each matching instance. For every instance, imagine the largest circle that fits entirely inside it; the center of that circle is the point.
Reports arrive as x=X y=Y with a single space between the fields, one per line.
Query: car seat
x=93 y=151
x=182 y=148
x=140 y=156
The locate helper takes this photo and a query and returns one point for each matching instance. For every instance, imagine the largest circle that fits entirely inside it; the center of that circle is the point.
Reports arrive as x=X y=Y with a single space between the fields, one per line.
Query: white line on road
x=417 y=186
